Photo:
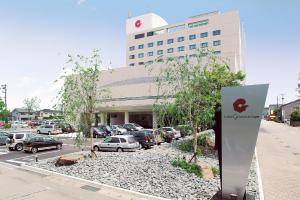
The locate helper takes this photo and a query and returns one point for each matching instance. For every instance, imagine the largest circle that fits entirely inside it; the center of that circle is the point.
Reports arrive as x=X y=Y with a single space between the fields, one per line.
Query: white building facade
x=150 y=38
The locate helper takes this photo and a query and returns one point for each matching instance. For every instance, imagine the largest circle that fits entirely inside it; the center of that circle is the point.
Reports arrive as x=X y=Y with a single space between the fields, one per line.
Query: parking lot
x=20 y=157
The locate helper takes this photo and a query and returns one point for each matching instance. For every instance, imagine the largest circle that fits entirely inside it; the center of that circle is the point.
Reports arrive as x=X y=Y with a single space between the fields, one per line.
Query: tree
x=195 y=87
x=79 y=94
x=32 y=104
x=4 y=113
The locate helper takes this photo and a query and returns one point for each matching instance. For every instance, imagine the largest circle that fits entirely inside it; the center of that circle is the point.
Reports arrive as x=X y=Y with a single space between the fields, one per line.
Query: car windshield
x=136 y=125
x=167 y=129
x=107 y=140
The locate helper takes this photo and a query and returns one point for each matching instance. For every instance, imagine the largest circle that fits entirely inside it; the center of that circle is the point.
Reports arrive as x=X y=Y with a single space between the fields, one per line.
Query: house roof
x=296 y=101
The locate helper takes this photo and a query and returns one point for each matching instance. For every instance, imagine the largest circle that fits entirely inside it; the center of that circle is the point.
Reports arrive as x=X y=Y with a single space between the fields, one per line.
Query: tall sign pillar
x=242 y=109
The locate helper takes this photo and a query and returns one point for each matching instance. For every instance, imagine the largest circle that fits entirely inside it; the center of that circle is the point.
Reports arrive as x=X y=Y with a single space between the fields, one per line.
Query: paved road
x=19 y=157
x=278 y=149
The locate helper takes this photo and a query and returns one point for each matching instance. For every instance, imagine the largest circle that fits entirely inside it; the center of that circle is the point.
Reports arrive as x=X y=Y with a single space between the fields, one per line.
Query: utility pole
x=4 y=88
x=282 y=98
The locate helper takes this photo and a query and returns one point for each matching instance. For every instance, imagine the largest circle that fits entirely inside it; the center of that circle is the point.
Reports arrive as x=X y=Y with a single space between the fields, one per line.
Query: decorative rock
x=68 y=160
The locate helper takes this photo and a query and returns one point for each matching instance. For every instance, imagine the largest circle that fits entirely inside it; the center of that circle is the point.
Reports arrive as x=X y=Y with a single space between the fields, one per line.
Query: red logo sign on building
x=138 y=23
x=240 y=105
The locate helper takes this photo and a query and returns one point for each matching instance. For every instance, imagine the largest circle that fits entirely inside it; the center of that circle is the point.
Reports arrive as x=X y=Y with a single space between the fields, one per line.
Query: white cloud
x=79 y=2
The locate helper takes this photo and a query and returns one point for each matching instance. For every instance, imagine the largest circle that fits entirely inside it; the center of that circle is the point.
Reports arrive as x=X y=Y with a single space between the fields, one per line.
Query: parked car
x=175 y=132
x=37 y=143
x=102 y=131
x=3 y=137
x=66 y=128
x=15 y=140
x=185 y=130
x=118 y=129
x=48 y=129
x=144 y=138
x=132 y=127
x=117 y=143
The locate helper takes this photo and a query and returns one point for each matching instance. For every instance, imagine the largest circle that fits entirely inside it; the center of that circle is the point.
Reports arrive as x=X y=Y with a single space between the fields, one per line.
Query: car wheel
x=34 y=150
x=119 y=150
x=49 y=132
x=96 y=148
x=59 y=146
x=38 y=132
x=119 y=132
x=19 y=147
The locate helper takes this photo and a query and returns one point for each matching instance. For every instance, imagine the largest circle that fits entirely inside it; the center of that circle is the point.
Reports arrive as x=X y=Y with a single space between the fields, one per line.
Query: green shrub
x=215 y=170
x=7 y=125
x=186 y=146
x=295 y=116
x=191 y=168
x=203 y=139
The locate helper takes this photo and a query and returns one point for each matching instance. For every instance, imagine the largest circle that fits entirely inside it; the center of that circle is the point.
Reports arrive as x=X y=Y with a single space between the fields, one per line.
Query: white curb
x=260 y=186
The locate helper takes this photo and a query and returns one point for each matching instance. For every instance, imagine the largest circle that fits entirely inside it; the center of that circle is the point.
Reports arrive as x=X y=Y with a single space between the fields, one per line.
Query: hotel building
x=150 y=38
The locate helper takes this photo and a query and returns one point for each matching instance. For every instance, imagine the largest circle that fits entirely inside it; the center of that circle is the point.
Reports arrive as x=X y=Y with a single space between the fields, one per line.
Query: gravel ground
x=147 y=171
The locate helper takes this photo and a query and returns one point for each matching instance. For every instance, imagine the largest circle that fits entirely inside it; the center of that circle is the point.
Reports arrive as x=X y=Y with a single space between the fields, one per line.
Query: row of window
x=179 y=39
x=179 y=49
x=172 y=29
x=160 y=60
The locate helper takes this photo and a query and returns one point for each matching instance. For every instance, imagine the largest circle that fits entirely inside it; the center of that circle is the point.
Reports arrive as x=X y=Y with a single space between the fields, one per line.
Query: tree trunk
x=195 y=145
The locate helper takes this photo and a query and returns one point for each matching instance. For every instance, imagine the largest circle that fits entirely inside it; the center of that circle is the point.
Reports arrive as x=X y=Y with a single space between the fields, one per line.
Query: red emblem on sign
x=138 y=23
x=240 y=105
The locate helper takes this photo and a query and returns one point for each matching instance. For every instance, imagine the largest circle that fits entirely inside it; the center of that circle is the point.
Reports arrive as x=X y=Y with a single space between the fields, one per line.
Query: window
x=149 y=62
x=217 y=42
x=198 y=23
x=180 y=39
x=217 y=32
x=19 y=136
x=158 y=32
x=192 y=37
x=150 y=34
x=114 y=140
x=217 y=52
x=170 y=50
x=150 y=44
x=204 y=44
x=131 y=64
x=170 y=41
x=159 y=43
x=141 y=55
x=141 y=46
x=150 y=53
x=159 y=52
x=181 y=48
x=204 y=34
x=192 y=46
x=192 y=55
x=131 y=48
x=123 y=140
x=131 y=57
x=141 y=63
x=138 y=36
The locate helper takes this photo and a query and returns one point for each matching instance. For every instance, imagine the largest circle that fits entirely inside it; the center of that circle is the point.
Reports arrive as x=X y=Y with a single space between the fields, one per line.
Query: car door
x=114 y=144
x=105 y=144
x=49 y=142
x=39 y=142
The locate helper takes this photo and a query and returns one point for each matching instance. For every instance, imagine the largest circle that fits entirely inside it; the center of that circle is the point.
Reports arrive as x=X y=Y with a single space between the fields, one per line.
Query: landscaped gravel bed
x=146 y=171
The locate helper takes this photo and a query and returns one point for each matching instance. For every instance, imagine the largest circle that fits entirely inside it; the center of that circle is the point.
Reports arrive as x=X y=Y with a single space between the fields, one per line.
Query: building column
x=102 y=118
x=154 y=122
x=126 y=117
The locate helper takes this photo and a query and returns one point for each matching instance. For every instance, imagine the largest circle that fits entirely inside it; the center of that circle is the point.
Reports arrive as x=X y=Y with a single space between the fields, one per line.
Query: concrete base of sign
x=218 y=196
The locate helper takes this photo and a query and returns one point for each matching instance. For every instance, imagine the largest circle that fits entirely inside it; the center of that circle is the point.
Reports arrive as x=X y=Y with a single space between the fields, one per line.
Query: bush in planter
x=295 y=116
x=191 y=168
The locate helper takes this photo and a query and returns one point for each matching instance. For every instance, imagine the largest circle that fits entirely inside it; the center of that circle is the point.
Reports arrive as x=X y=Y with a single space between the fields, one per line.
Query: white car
x=118 y=129
x=117 y=143
x=15 y=140
x=49 y=129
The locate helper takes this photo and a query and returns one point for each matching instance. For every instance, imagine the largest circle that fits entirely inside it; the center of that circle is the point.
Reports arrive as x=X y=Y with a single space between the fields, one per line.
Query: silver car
x=15 y=140
x=117 y=143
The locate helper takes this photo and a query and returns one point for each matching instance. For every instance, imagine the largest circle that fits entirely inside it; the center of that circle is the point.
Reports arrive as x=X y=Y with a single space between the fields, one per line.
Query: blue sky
x=36 y=36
